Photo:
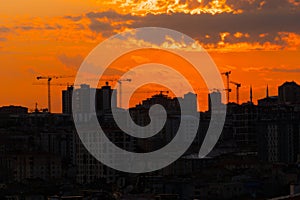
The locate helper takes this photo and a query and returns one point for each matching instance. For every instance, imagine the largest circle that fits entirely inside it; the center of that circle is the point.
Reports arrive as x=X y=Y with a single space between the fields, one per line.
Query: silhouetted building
x=175 y=117
x=216 y=99
x=244 y=118
x=106 y=98
x=289 y=93
x=140 y=115
x=268 y=100
x=89 y=169
x=59 y=143
x=67 y=100
x=83 y=97
x=170 y=104
x=278 y=131
x=190 y=103
x=13 y=110
x=33 y=165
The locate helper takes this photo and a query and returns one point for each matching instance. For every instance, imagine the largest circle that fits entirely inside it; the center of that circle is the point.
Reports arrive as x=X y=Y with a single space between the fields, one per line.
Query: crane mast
x=119 y=81
x=120 y=88
x=228 y=88
x=49 y=79
x=238 y=85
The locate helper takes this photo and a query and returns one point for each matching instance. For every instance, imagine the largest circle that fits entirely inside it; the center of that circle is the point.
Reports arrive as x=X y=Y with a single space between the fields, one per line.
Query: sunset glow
x=258 y=40
x=157 y=7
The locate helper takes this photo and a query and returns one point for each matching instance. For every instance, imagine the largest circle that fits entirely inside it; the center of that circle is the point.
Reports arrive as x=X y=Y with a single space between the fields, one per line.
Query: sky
x=258 y=40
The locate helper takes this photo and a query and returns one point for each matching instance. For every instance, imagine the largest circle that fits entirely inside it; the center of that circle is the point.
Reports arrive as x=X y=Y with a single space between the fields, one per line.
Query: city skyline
x=66 y=97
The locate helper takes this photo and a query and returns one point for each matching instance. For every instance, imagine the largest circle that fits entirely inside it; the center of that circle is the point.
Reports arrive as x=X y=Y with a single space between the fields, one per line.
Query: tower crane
x=238 y=85
x=155 y=91
x=57 y=84
x=120 y=88
x=228 y=88
x=119 y=81
x=216 y=90
x=49 y=79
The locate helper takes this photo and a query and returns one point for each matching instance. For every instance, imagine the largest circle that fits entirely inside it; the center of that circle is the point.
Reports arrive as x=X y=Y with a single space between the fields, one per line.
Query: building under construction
x=105 y=99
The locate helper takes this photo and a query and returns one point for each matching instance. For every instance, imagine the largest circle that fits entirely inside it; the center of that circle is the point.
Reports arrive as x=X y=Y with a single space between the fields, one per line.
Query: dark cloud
x=207 y=6
x=260 y=22
x=27 y=27
x=34 y=27
x=274 y=69
x=32 y=71
x=73 y=62
x=102 y=22
x=110 y=14
x=79 y=27
x=206 y=27
x=52 y=27
x=113 y=72
x=198 y=25
x=4 y=29
x=264 y=5
x=2 y=39
x=73 y=18
x=295 y=70
x=105 y=28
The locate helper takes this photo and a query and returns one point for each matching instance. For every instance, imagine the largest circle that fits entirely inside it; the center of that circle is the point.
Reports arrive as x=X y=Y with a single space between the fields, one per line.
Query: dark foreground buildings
x=256 y=157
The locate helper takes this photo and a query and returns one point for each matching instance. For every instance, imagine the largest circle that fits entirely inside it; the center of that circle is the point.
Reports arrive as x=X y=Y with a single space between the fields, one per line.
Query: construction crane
x=216 y=90
x=238 y=85
x=228 y=88
x=119 y=81
x=49 y=79
x=120 y=88
x=57 y=84
x=154 y=91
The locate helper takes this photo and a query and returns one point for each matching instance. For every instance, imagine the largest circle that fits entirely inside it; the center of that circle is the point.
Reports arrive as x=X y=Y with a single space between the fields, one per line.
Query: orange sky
x=53 y=37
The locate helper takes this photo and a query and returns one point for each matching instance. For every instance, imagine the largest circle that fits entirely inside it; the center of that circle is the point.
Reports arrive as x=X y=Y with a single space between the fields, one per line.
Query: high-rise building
x=59 y=143
x=88 y=167
x=32 y=165
x=244 y=118
x=278 y=134
x=105 y=99
x=67 y=100
x=289 y=93
x=190 y=102
x=83 y=98
x=214 y=98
